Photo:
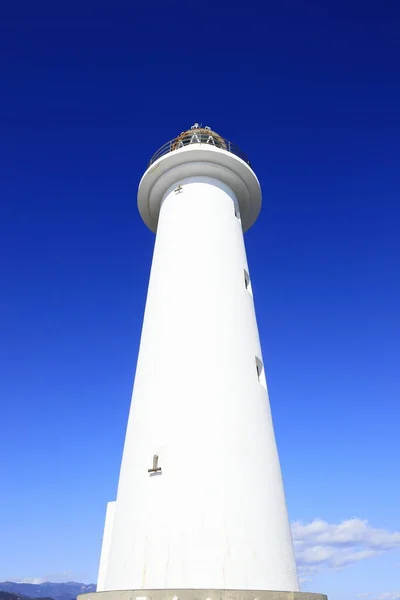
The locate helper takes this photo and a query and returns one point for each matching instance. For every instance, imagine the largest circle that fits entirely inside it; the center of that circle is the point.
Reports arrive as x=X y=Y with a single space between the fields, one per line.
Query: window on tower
x=247 y=283
x=260 y=372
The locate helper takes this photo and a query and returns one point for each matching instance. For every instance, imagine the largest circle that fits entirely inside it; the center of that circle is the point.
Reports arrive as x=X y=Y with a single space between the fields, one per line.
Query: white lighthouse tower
x=200 y=512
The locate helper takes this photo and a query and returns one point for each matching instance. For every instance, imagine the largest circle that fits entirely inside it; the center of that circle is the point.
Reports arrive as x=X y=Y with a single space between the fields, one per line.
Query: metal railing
x=196 y=137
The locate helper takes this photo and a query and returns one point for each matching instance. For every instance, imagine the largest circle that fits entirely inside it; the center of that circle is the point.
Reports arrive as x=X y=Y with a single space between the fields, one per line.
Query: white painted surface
x=199 y=160
x=216 y=515
x=105 y=547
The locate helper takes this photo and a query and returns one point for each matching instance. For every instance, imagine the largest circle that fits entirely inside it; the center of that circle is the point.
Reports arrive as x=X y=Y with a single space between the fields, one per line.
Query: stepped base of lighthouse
x=188 y=594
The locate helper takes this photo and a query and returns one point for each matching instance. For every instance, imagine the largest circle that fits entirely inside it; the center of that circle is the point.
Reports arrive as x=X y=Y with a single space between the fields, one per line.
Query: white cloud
x=304 y=579
x=60 y=577
x=321 y=545
x=36 y=580
x=389 y=596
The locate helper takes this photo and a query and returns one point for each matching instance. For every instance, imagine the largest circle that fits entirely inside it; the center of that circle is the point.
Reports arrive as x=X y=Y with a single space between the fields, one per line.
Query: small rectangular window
x=247 y=283
x=260 y=373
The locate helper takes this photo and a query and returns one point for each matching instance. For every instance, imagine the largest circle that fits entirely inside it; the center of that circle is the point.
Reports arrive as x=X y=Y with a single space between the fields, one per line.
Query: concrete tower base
x=182 y=594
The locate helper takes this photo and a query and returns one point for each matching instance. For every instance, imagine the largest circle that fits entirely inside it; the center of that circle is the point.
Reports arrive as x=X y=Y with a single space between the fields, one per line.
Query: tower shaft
x=215 y=516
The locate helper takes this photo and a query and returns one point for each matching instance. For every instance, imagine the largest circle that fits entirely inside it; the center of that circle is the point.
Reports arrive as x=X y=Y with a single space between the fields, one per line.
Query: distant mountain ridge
x=10 y=596
x=47 y=589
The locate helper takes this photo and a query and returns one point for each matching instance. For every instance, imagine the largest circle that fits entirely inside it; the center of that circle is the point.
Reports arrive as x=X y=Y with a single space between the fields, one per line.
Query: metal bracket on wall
x=156 y=468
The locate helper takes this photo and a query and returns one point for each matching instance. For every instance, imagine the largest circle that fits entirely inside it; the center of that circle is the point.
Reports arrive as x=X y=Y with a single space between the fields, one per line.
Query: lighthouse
x=200 y=510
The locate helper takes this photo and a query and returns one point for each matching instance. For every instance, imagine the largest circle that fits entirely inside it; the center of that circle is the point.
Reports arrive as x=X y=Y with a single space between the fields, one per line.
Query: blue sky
x=311 y=91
